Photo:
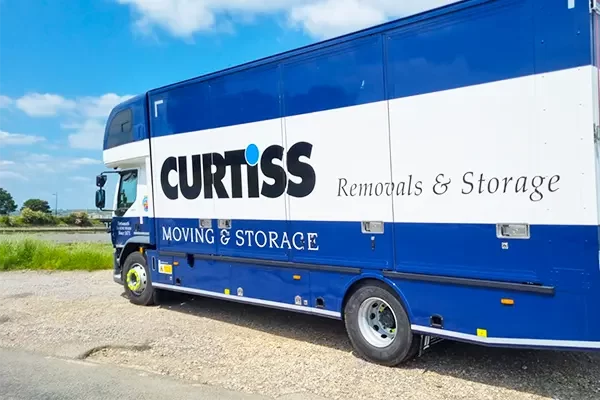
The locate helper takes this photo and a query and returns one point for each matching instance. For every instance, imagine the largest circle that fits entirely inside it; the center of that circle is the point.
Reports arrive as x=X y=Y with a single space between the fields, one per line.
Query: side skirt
x=507 y=342
x=249 y=300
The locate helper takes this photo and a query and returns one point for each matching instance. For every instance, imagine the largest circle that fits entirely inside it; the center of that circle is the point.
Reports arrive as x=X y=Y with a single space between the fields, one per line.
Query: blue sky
x=65 y=64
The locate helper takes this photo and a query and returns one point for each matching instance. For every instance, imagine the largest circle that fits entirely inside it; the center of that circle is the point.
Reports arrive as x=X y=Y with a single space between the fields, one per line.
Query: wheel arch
x=370 y=278
x=133 y=244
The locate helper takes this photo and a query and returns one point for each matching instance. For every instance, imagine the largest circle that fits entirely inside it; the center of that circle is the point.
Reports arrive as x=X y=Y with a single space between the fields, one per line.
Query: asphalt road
x=57 y=378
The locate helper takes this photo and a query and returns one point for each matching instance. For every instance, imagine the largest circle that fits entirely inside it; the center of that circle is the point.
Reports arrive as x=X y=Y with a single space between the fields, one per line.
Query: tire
x=145 y=295
x=363 y=317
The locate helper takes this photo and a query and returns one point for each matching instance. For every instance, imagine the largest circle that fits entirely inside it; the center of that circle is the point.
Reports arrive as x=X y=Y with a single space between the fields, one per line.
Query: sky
x=65 y=63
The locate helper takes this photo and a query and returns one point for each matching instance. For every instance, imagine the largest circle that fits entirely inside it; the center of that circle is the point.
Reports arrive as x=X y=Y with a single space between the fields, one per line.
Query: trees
x=7 y=203
x=37 y=205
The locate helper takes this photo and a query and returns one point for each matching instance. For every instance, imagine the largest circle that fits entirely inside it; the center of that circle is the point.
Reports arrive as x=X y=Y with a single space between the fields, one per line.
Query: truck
x=432 y=177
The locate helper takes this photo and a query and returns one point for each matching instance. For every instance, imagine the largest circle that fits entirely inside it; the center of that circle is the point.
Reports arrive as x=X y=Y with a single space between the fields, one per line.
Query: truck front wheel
x=137 y=281
x=378 y=326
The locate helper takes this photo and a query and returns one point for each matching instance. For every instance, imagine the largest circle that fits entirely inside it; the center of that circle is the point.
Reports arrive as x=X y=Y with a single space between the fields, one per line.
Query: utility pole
x=56 y=204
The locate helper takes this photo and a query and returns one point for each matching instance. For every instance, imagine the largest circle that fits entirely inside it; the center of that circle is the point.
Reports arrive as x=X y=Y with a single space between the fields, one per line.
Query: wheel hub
x=137 y=279
x=377 y=322
x=387 y=318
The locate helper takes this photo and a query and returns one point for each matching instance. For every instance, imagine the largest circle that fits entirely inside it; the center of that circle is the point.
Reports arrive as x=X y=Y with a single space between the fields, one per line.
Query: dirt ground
x=264 y=351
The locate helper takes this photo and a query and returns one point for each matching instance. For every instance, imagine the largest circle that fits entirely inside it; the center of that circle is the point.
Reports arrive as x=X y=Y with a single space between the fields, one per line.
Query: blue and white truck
x=436 y=176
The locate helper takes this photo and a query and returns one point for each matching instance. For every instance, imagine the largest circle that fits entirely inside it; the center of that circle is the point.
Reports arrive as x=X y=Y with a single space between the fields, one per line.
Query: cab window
x=127 y=192
x=120 y=130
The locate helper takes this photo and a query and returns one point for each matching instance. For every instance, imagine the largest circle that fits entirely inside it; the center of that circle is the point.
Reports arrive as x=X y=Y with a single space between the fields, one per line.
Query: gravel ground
x=269 y=352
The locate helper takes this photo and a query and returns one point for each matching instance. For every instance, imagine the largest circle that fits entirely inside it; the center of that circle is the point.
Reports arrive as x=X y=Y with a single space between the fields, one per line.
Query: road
x=57 y=378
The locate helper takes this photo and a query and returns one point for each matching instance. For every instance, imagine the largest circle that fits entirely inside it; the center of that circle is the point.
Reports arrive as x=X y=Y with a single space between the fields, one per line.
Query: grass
x=21 y=253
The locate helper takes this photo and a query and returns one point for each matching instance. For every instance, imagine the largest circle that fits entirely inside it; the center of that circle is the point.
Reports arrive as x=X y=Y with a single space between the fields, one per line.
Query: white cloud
x=35 y=157
x=88 y=134
x=49 y=105
x=44 y=104
x=319 y=18
x=38 y=165
x=40 y=162
x=50 y=146
x=84 y=161
x=100 y=107
x=80 y=179
x=12 y=175
x=329 y=18
x=5 y=101
x=7 y=138
x=87 y=114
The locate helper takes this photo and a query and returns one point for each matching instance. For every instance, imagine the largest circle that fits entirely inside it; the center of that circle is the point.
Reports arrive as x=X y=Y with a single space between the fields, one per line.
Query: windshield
x=127 y=192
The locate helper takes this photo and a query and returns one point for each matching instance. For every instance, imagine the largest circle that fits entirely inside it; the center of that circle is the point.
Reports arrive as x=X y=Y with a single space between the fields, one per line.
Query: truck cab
x=126 y=149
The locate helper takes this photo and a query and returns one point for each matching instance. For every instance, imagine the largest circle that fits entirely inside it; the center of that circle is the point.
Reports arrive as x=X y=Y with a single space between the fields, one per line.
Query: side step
x=426 y=343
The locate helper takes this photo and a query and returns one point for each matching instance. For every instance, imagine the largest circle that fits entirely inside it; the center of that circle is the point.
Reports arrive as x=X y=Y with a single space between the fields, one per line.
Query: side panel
x=212 y=175
x=494 y=150
x=158 y=272
x=501 y=172
x=484 y=44
x=184 y=207
x=253 y=201
x=276 y=284
x=563 y=316
x=333 y=118
x=492 y=147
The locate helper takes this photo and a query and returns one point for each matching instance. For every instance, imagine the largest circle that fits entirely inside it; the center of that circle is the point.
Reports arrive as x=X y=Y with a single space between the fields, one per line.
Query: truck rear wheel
x=378 y=326
x=137 y=281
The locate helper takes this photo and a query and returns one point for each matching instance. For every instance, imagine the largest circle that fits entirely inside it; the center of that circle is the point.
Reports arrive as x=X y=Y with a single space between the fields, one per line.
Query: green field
x=21 y=252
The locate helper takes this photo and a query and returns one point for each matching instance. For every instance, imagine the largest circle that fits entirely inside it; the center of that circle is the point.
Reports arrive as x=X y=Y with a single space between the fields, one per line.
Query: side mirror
x=101 y=180
x=100 y=199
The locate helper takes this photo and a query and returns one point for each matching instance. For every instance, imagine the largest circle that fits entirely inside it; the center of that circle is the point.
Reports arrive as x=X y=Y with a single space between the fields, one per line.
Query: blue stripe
x=562 y=256
x=471 y=43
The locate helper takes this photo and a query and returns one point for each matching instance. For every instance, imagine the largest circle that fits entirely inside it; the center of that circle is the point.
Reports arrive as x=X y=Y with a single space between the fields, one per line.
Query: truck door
x=123 y=219
x=130 y=217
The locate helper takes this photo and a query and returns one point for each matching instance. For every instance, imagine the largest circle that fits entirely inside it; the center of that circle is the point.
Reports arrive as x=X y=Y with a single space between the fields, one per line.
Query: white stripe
x=249 y=300
x=126 y=154
x=484 y=141
x=507 y=341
